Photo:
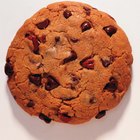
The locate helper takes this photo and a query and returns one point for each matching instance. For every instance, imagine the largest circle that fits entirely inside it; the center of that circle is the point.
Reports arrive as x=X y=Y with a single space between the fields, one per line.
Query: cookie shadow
x=91 y=130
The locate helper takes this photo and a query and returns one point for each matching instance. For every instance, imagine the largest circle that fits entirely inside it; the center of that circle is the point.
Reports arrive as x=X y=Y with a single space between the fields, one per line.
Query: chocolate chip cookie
x=69 y=63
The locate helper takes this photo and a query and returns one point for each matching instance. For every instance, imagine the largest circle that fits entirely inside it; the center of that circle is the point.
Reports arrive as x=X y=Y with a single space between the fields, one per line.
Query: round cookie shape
x=69 y=63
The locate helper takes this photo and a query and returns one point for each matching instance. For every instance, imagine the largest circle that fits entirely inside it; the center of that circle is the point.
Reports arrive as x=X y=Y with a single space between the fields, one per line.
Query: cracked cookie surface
x=69 y=63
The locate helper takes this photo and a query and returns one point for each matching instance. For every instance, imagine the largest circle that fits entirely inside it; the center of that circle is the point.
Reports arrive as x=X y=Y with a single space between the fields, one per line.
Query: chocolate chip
x=30 y=103
x=67 y=14
x=110 y=30
x=44 y=24
x=57 y=39
x=15 y=97
x=35 y=79
x=8 y=69
x=85 y=26
x=74 y=81
x=100 y=114
x=34 y=40
x=92 y=100
x=42 y=39
x=87 y=10
x=27 y=35
x=44 y=118
x=52 y=83
x=74 y=40
x=72 y=57
x=112 y=85
x=8 y=60
x=64 y=117
x=87 y=63
x=107 y=62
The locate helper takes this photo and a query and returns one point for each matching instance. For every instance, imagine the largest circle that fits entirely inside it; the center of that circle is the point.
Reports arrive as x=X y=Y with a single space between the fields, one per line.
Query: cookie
x=69 y=63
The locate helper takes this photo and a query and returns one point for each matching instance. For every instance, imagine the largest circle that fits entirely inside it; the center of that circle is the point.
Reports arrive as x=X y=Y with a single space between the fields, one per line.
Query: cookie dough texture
x=69 y=63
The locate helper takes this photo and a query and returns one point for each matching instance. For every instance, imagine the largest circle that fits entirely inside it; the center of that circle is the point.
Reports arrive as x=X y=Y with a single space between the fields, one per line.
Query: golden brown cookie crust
x=69 y=62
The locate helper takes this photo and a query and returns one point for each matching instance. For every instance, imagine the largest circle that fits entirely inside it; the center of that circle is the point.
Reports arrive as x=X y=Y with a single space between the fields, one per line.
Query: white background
x=121 y=123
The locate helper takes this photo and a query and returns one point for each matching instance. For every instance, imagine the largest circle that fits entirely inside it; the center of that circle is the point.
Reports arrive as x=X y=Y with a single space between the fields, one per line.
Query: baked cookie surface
x=69 y=63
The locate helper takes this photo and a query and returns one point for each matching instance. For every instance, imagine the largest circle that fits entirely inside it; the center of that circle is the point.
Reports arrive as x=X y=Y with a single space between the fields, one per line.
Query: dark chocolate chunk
x=44 y=118
x=107 y=62
x=52 y=83
x=72 y=57
x=35 y=41
x=44 y=24
x=100 y=114
x=35 y=79
x=9 y=69
x=112 y=85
